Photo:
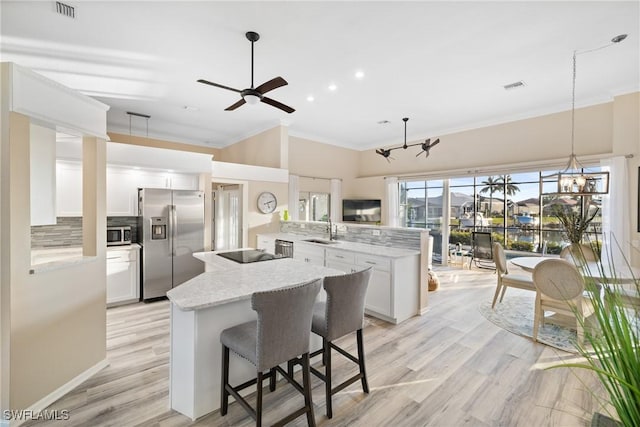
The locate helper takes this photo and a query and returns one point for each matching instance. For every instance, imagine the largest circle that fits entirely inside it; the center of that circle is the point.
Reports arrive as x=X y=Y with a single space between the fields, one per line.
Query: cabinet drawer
x=341 y=256
x=377 y=262
x=121 y=255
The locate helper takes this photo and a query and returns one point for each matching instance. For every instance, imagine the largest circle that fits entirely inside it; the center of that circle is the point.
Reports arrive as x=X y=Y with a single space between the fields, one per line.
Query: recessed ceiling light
x=359 y=74
x=310 y=98
x=333 y=87
x=190 y=108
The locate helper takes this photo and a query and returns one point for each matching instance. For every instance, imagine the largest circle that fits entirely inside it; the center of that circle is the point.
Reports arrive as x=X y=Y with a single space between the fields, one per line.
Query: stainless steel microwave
x=118 y=236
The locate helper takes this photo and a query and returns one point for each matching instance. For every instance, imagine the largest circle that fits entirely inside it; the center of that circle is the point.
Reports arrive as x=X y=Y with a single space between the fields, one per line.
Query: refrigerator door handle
x=174 y=229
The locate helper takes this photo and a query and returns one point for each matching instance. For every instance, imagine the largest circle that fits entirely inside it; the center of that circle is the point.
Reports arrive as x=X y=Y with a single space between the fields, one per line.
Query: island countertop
x=233 y=282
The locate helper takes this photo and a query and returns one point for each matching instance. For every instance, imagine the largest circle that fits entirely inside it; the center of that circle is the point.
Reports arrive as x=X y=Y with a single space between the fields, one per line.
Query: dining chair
x=579 y=253
x=482 y=251
x=559 y=288
x=340 y=315
x=506 y=279
x=281 y=333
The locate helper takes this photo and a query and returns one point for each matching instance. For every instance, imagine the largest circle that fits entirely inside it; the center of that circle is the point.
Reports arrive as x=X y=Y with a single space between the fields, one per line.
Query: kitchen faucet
x=332 y=235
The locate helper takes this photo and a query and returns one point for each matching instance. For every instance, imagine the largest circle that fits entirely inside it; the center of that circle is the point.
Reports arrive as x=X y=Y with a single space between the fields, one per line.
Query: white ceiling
x=442 y=64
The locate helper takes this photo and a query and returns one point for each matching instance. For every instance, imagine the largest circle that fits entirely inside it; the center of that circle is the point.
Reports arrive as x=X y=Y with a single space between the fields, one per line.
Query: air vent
x=66 y=10
x=383 y=122
x=515 y=85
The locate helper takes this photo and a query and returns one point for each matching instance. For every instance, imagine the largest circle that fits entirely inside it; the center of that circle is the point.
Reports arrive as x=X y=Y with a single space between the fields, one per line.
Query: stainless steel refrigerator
x=171 y=227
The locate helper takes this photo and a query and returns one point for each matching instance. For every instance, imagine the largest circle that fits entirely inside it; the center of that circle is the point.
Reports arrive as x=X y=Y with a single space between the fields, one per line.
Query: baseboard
x=41 y=404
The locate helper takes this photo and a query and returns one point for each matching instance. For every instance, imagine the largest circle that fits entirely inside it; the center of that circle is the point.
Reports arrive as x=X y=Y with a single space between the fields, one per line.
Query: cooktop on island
x=247 y=256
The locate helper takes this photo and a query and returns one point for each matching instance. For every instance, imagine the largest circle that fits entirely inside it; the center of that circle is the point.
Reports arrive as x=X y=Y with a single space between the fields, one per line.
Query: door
x=228 y=217
x=187 y=234
x=156 y=241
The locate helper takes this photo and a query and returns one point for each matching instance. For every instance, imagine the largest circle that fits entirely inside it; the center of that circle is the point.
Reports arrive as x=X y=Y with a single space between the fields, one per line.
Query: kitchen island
x=203 y=307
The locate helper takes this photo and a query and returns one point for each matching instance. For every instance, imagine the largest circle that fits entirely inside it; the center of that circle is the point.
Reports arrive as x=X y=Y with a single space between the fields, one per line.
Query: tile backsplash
x=68 y=231
x=408 y=238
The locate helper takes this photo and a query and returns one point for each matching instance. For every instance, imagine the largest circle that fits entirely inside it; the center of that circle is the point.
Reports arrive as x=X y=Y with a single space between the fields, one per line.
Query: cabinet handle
x=371 y=262
x=339 y=256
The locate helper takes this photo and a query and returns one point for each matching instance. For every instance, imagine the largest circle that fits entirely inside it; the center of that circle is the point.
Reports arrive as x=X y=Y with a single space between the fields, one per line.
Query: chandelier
x=574 y=180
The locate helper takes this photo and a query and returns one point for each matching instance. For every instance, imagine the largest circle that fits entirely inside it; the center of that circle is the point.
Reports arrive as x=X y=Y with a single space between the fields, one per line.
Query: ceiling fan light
x=252 y=99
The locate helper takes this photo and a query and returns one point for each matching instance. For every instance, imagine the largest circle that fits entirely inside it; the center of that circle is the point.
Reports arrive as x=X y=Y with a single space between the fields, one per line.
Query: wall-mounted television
x=359 y=210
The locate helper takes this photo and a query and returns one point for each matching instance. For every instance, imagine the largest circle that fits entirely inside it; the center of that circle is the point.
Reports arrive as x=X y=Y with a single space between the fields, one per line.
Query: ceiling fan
x=253 y=95
x=426 y=145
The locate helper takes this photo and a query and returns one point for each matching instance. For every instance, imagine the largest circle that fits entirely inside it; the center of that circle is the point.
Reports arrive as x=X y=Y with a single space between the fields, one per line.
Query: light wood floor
x=450 y=367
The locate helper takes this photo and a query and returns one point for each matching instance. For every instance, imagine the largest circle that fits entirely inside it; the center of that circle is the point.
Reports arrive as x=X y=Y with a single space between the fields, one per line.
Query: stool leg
x=224 y=395
x=306 y=383
x=259 y=400
x=363 y=371
x=326 y=355
x=272 y=379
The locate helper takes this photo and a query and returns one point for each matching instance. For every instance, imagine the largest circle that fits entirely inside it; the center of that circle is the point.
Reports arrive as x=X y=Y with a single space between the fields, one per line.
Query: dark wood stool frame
x=256 y=414
x=325 y=351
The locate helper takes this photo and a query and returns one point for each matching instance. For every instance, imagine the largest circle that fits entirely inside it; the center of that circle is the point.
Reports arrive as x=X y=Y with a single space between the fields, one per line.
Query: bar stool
x=280 y=334
x=341 y=314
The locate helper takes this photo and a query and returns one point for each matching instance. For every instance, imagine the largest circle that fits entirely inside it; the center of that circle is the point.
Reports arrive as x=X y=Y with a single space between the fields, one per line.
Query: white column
x=294 y=195
x=336 y=200
x=392 y=200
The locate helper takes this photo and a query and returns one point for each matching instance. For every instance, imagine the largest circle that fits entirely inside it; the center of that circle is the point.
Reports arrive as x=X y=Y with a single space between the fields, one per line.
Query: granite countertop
x=47 y=259
x=234 y=282
x=385 y=251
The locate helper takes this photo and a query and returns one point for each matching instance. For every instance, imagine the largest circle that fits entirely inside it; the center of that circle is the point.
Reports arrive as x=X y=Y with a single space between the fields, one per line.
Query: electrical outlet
x=303 y=225
x=375 y=232
x=342 y=227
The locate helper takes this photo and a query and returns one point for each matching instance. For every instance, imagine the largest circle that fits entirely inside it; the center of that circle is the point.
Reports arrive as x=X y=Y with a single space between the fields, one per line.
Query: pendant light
x=573 y=180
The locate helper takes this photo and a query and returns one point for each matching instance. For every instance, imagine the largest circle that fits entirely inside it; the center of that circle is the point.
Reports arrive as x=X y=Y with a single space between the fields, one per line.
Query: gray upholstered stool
x=280 y=334
x=341 y=314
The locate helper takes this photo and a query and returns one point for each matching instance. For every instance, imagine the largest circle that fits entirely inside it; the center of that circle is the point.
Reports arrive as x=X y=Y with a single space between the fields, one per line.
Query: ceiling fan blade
x=271 y=85
x=423 y=151
x=435 y=142
x=236 y=105
x=220 y=86
x=277 y=104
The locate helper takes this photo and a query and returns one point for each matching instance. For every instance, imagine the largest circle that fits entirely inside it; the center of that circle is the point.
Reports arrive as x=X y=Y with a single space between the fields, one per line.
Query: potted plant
x=575 y=223
x=612 y=349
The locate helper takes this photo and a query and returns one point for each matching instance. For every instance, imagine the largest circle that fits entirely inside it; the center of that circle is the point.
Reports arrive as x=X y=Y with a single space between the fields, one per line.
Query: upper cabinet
x=42 y=152
x=122 y=187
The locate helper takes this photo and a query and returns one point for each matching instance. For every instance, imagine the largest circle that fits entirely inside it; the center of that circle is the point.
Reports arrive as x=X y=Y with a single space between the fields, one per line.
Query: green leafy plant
x=574 y=222
x=612 y=349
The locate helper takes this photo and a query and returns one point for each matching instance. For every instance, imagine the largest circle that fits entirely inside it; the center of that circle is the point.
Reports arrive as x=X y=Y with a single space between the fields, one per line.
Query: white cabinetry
x=123 y=275
x=266 y=243
x=122 y=187
x=68 y=188
x=42 y=169
x=308 y=253
x=393 y=291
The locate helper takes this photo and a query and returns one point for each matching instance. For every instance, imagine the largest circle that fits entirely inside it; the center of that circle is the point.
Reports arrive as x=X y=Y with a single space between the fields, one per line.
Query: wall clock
x=267 y=202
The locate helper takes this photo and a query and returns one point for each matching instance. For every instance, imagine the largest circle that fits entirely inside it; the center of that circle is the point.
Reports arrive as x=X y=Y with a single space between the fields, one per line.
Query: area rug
x=515 y=314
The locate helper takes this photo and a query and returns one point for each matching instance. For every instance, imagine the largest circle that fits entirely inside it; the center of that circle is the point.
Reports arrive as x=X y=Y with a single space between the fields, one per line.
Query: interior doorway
x=227 y=226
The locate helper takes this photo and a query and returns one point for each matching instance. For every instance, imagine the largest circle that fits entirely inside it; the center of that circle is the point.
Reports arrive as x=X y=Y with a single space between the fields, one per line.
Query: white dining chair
x=559 y=288
x=506 y=279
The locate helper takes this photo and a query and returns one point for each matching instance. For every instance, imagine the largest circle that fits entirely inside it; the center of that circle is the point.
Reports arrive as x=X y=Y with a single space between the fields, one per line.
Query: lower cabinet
x=393 y=290
x=266 y=243
x=308 y=253
x=123 y=275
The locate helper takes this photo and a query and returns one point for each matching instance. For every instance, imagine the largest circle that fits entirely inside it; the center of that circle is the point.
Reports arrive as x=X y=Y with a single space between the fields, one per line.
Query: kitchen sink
x=321 y=241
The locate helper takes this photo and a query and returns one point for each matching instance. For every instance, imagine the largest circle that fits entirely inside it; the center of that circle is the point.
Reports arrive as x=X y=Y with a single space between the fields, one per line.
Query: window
x=510 y=206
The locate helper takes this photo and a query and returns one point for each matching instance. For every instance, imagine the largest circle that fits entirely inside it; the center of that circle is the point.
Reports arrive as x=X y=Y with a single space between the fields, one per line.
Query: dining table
x=598 y=271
